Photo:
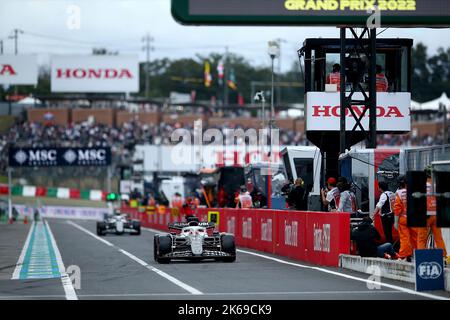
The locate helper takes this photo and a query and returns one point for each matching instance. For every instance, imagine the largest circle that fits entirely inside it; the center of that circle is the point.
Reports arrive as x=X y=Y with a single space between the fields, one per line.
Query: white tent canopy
x=29 y=100
x=433 y=104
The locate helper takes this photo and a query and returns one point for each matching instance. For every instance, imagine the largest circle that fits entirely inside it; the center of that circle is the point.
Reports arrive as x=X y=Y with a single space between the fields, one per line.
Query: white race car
x=191 y=241
x=118 y=223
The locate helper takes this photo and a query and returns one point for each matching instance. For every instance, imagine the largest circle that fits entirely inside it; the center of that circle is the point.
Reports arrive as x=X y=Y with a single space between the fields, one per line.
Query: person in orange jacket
x=408 y=236
x=177 y=201
x=382 y=82
x=335 y=76
x=431 y=220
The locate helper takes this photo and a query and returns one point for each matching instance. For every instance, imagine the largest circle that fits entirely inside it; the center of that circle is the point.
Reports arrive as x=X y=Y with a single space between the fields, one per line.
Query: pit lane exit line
x=402 y=289
x=343 y=275
x=40 y=259
x=163 y=274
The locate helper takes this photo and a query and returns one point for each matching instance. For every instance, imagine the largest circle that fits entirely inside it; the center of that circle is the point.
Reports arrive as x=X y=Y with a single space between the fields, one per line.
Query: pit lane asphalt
x=107 y=273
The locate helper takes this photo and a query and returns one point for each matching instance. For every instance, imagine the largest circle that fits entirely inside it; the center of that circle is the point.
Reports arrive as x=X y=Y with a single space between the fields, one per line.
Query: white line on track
x=343 y=275
x=339 y=274
x=172 y=279
x=90 y=233
x=65 y=279
x=16 y=273
x=211 y=294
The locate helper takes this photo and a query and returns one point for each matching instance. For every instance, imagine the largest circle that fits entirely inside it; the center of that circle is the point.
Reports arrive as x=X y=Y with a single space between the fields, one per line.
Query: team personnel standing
x=382 y=81
x=335 y=76
x=347 y=201
x=177 y=201
x=385 y=208
x=244 y=199
x=422 y=235
x=331 y=195
x=298 y=195
x=408 y=236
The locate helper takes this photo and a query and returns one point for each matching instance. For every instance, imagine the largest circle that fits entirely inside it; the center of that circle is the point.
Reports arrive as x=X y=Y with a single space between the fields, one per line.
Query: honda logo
x=382 y=112
x=81 y=73
x=7 y=70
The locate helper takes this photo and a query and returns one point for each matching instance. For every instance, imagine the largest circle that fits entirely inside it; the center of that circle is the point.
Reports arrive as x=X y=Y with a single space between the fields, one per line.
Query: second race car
x=118 y=223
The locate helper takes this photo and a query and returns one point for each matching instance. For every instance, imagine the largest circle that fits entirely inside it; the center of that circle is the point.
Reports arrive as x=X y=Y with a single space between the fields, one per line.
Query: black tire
x=155 y=249
x=101 y=227
x=162 y=245
x=163 y=260
x=228 y=246
x=136 y=226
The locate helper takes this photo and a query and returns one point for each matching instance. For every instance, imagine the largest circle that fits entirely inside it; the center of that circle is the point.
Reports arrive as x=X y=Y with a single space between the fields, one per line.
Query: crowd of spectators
x=123 y=139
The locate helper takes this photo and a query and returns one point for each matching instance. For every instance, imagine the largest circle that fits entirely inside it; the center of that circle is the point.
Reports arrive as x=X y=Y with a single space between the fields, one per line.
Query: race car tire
x=228 y=246
x=136 y=227
x=162 y=245
x=101 y=227
x=155 y=248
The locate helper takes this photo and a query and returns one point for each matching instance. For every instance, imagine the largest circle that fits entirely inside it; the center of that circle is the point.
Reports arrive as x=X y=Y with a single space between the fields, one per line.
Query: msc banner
x=323 y=112
x=95 y=74
x=18 y=70
x=53 y=157
x=312 y=12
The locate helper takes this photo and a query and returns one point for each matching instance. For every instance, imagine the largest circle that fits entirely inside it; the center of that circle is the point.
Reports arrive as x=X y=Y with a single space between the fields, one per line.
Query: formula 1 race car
x=191 y=241
x=118 y=223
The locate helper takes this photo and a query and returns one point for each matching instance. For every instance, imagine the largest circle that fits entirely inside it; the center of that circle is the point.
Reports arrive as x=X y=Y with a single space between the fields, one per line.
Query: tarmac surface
x=122 y=267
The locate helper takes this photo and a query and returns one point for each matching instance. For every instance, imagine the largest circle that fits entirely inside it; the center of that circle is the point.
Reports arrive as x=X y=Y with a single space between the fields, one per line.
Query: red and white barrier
x=315 y=237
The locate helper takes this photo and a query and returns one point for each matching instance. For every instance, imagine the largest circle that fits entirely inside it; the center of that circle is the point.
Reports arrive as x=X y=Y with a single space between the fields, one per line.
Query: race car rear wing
x=181 y=225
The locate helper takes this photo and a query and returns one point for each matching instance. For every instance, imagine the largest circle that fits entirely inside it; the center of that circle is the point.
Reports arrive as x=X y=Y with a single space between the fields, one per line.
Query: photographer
x=298 y=195
x=331 y=195
x=368 y=241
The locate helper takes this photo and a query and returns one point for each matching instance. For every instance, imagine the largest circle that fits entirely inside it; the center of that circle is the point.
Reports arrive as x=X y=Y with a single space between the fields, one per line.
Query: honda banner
x=52 y=157
x=95 y=73
x=18 y=70
x=323 y=112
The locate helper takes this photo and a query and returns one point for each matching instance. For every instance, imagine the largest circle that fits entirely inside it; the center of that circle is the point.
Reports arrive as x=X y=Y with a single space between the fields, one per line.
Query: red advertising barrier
x=327 y=236
x=265 y=230
x=315 y=237
x=291 y=236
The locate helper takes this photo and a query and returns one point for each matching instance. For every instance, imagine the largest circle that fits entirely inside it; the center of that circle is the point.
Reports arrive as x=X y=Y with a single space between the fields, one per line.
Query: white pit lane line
x=343 y=275
x=16 y=273
x=65 y=279
x=167 y=276
x=137 y=295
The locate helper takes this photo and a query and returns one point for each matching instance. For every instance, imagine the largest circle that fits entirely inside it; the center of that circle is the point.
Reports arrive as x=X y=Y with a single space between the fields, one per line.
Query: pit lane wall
x=315 y=237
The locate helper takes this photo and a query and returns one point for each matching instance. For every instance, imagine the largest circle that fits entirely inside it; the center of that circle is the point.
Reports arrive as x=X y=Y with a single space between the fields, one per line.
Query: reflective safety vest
x=334 y=203
x=431 y=201
x=382 y=83
x=400 y=205
x=335 y=78
x=177 y=202
x=246 y=201
x=353 y=201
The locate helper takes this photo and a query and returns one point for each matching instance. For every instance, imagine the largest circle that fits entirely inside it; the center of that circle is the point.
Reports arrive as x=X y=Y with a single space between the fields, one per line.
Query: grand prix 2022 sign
x=407 y=13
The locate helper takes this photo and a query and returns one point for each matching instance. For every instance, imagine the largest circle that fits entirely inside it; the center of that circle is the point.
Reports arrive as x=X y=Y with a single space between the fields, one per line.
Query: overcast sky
x=121 y=24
